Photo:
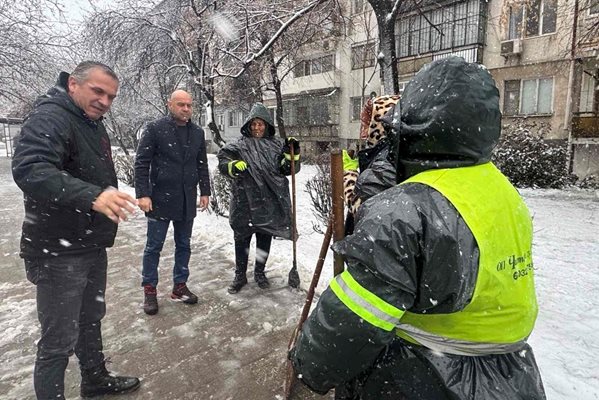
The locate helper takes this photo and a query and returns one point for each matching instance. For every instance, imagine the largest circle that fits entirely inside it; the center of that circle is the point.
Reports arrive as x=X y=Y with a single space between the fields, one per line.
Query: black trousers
x=242 y=251
x=70 y=306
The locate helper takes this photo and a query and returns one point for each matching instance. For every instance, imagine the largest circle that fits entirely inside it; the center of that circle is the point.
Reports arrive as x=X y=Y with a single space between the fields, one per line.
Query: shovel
x=334 y=228
x=293 y=279
x=290 y=373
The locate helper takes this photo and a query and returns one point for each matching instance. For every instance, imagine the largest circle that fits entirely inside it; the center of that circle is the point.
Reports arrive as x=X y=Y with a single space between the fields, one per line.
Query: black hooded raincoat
x=413 y=250
x=260 y=200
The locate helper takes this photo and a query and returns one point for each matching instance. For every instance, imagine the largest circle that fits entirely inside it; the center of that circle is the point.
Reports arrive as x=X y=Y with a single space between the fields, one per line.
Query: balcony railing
x=314 y=131
x=584 y=127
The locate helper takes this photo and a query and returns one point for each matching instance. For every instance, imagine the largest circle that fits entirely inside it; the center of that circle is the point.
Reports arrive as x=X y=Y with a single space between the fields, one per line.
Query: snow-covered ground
x=566 y=257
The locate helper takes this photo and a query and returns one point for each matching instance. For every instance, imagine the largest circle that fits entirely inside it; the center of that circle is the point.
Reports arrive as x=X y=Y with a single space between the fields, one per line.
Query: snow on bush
x=528 y=159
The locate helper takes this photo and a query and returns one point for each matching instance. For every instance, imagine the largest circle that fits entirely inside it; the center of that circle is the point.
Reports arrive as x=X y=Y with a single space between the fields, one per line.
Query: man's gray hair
x=81 y=71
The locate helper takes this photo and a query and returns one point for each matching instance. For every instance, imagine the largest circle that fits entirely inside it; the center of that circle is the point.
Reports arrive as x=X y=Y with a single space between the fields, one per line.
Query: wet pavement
x=226 y=347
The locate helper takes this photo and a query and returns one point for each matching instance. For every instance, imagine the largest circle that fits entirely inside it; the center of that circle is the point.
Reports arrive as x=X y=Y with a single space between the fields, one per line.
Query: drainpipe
x=568 y=113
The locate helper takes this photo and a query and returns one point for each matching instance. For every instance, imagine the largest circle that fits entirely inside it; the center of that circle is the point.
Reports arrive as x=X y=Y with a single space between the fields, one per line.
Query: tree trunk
x=387 y=55
x=276 y=83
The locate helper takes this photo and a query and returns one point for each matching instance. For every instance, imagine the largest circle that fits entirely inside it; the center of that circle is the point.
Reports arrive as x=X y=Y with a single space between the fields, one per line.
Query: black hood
x=449 y=118
x=259 y=111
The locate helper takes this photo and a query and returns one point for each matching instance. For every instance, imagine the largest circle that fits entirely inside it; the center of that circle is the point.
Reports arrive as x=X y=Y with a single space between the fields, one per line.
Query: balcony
x=315 y=132
x=585 y=127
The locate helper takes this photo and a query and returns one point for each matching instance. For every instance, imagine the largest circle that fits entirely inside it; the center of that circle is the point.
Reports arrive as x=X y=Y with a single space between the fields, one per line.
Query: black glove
x=289 y=142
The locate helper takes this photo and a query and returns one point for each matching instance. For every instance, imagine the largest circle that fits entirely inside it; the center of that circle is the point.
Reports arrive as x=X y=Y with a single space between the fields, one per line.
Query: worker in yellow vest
x=438 y=298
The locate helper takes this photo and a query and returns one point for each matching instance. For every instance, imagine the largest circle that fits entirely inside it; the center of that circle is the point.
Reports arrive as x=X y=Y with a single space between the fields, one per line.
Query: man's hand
x=145 y=204
x=113 y=204
x=203 y=203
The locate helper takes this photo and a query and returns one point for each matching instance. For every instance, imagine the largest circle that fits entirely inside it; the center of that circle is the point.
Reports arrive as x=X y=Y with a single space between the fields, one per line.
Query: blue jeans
x=70 y=306
x=157 y=230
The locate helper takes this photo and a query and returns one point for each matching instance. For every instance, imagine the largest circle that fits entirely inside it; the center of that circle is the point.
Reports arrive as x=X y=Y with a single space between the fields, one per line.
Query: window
x=315 y=66
x=357 y=103
x=530 y=96
x=236 y=118
x=456 y=25
x=540 y=17
x=593 y=7
x=309 y=111
x=589 y=92
x=363 y=56
x=516 y=14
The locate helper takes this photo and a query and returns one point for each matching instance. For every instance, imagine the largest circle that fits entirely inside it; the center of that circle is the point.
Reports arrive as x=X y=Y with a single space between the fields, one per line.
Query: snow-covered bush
x=589 y=182
x=221 y=193
x=529 y=160
x=124 y=167
x=319 y=189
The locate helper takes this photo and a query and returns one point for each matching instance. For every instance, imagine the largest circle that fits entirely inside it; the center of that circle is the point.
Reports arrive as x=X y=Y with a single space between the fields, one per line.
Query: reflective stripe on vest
x=365 y=304
x=503 y=308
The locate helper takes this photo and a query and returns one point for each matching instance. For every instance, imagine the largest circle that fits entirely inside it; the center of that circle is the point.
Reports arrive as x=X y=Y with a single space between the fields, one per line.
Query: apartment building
x=543 y=54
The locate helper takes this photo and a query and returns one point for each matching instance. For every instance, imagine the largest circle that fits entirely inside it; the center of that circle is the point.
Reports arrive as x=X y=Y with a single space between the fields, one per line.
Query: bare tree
x=386 y=12
x=30 y=49
x=198 y=43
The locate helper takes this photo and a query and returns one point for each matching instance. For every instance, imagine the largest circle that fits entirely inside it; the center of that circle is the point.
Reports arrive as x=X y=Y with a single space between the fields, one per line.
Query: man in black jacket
x=170 y=164
x=64 y=166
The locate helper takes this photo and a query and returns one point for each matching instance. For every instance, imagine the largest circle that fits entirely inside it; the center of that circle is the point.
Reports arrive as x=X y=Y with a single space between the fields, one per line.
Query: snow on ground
x=566 y=257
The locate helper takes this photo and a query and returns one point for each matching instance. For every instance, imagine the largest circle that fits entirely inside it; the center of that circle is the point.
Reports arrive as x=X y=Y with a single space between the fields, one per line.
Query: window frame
x=521 y=98
x=523 y=13
x=359 y=55
x=353 y=109
x=462 y=24
x=315 y=65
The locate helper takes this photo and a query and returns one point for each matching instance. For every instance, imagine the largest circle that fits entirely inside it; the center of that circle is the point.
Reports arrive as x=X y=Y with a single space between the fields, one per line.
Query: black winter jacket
x=62 y=162
x=169 y=176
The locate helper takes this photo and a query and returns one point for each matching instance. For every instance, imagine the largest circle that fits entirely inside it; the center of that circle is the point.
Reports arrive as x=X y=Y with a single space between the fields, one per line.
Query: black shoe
x=261 y=280
x=150 y=300
x=239 y=282
x=98 y=382
x=181 y=292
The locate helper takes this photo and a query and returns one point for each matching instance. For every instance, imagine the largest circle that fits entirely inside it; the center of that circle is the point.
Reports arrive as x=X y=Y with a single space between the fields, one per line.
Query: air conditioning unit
x=511 y=47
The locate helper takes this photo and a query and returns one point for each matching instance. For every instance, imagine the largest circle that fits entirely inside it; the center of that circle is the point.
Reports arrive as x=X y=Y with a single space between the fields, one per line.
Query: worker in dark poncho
x=438 y=298
x=260 y=203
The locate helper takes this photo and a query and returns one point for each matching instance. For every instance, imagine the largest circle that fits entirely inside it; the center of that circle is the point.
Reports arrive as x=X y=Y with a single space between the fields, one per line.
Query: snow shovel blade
x=293 y=280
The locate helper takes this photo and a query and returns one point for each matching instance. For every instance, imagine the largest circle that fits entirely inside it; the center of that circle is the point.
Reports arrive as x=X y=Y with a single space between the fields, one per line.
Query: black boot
x=260 y=277
x=239 y=281
x=97 y=382
x=150 y=300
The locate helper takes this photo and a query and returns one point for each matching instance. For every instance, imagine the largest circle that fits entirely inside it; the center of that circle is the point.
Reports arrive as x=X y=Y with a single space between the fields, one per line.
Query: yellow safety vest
x=503 y=308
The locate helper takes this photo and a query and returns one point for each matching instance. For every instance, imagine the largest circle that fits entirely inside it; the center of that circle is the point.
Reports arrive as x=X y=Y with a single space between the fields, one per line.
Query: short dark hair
x=81 y=71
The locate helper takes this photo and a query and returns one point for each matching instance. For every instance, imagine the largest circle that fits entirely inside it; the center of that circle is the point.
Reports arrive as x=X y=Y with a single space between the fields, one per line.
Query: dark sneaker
x=150 y=300
x=99 y=381
x=261 y=280
x=182 y=293
x=239 y=282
